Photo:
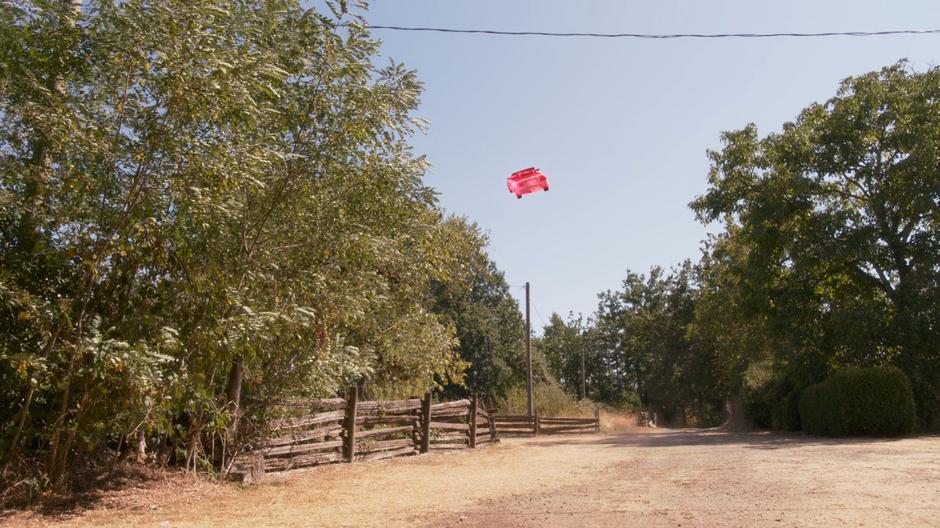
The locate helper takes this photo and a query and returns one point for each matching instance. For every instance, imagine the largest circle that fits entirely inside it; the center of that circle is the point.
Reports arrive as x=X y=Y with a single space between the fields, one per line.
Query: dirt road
x=666 y=478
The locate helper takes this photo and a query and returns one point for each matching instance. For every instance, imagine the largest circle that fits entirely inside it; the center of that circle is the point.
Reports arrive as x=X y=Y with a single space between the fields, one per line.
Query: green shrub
x=773 y=405
x=857 y=401
x=785 y=415
x=758 y=405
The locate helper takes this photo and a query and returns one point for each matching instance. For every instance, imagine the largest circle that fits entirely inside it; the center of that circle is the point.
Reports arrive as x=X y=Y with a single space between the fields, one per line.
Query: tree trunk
x=141 y=444
x=735 y=415
x=24 y=413
x=234 y=395
x=29 y=230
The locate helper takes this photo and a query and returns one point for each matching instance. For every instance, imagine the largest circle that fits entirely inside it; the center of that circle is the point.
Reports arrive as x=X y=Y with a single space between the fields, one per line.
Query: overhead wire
x=657 y=36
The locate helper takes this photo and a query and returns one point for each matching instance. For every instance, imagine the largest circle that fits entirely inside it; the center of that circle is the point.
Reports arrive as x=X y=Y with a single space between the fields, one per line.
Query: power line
x=539 y=315
x=661 y=36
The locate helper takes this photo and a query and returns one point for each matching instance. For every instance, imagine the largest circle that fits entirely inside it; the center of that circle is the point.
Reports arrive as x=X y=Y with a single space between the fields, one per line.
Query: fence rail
x=523 y=425
x=347 y=430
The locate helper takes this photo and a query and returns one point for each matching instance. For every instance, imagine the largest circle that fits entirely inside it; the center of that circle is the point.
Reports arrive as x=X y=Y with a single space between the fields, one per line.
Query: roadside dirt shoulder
x=649 y=478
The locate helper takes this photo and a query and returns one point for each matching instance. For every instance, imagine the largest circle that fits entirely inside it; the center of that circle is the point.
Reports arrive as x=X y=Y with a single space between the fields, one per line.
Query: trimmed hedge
x=859 y=401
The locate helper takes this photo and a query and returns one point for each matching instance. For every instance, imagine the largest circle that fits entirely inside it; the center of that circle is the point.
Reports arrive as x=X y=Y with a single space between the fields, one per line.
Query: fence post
x=473 y=420
x=597 y=419
x=491 y=421
x=349 y=427
x=426 y=423
x=537 y=425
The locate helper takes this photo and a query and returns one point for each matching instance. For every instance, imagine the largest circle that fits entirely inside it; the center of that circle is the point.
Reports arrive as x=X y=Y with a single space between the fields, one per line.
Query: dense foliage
x=838 y=217
x=637 y=349
x=829 y=259
x=489 y=328
x=859 y=401
x=207 y=205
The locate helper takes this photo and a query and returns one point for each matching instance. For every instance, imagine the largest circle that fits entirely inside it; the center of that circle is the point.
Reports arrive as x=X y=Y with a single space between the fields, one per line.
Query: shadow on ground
x=88 y=491
x=709 y=437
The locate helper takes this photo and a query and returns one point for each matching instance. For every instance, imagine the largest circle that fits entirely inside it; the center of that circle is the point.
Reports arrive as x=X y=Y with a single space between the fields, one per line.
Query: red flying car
x=527 y=181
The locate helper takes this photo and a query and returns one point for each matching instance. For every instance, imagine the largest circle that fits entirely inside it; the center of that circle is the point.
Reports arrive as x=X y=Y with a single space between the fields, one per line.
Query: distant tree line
x=829 y=259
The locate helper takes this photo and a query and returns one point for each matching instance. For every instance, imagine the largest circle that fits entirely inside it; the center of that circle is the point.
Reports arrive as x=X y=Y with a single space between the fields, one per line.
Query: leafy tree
x=486 y=318
x=204 y=204
x=638 y=350
x=837 y=218
x=566 y=347
x=733 y=341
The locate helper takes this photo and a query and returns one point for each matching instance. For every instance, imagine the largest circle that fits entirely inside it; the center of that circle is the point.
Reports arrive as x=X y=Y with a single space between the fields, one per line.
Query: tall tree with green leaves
x=837 y=215
x=485 y=316
x=203 y=203
x=567 y=349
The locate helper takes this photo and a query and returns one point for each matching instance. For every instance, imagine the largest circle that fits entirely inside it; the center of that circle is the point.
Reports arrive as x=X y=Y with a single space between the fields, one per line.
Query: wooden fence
x=347 y=430
x=522 y=425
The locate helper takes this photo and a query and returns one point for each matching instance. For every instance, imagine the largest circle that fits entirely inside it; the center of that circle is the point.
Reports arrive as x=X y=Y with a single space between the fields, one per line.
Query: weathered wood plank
x=300 y=448
x=450 y=426
x=283 y=464
x=460 y=414
x=568 y=423
x=315 y=404
x=395 y=406
x=473 y=421
x=425 y=423
x=384 y=445
x=578 y=429
x=349 y=432
x=566 y=420
x=305 y=436
x=450 y=405
x=385 y=431
x=452 y=414
x=558 y=428
x=389 y=419
x=306 y=421
x=449 y=436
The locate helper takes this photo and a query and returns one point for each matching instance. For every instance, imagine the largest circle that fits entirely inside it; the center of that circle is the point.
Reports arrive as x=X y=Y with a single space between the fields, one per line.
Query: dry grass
x=618 y=422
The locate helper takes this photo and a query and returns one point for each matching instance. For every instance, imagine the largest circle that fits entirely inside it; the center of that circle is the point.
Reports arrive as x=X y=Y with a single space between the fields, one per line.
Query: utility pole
x=528 y=349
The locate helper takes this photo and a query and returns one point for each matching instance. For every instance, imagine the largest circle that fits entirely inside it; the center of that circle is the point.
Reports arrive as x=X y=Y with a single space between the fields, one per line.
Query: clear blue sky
x=620 y=127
